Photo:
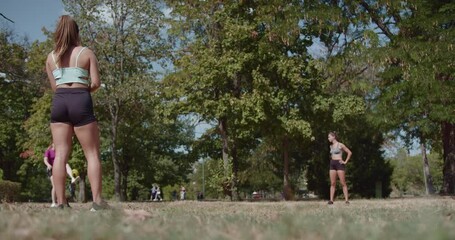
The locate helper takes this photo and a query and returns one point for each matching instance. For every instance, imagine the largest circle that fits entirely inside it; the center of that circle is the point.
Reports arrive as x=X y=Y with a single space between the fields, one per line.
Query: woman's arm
x=348 y=151
x=46 y=161
x=50 y=76
x=95 y=81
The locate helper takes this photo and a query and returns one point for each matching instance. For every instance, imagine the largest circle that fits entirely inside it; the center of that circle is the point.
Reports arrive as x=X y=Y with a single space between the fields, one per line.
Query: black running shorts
x=337 y=165
x=73 y=106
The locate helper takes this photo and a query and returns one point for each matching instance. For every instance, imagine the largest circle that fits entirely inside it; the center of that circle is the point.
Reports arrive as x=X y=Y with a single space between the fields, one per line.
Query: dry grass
x=423 y=218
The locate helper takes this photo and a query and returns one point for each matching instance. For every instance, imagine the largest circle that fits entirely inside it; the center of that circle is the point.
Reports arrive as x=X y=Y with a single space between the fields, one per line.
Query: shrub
x=9 y=191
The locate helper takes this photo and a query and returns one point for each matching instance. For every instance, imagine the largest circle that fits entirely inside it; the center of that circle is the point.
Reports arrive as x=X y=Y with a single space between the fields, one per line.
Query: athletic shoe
x=53 y=205
x=97 y=207
x=330 y=202
x=63 y=206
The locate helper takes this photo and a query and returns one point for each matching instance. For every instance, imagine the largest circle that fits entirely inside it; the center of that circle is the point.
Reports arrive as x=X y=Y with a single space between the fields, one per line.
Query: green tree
x=35 y=184
x=342 y=36
x=367 y=166
x=126 y=36
x=17 y=91
x=151 y=142
x=397 y=44
x=244 y=66
x=417 y=84
x=265 y=169
x=22 y=86
x=213 y=78
x=208 y=177
x=407 y=176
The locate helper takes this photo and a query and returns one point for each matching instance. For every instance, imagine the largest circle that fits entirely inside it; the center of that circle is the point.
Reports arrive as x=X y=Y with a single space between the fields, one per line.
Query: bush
x=9 y=191
x=408 y=178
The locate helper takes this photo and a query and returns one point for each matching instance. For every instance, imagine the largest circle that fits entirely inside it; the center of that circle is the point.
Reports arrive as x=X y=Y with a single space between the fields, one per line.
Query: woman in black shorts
x=338 y=166
x=73 y=74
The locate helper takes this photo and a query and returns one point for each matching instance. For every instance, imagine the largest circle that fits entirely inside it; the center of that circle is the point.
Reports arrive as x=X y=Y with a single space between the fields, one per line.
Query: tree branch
x=1 y=14
x=376 y=19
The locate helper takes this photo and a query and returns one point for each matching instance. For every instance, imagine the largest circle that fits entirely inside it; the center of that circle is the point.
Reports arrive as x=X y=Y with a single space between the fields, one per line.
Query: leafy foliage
x=9 y=191
x=271 y=77
x=408 y=177
x=137 y=128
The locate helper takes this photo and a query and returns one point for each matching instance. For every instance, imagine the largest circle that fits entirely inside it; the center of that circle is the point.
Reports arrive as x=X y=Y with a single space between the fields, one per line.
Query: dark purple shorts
x=73 y=106
x=337 y=165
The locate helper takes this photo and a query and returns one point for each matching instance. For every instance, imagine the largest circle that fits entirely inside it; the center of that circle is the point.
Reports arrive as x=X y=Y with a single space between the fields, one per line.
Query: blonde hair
x=66 y=35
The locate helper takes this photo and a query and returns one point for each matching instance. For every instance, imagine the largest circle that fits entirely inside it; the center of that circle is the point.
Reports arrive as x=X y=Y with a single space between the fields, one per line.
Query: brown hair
x=66 y=35
x=334 y=134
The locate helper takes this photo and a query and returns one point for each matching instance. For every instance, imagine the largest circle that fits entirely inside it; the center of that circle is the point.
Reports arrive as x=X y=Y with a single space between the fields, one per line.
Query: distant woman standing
x=73 y=74
x=49 y=157
x=338 y=165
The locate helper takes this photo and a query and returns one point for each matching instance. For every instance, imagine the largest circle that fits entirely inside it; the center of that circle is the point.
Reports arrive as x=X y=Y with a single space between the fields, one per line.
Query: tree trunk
x=429 y=187
x=235 y=170
x=225 y=141
x=448 y=142
x=222 y=126
x=124 y=185
x=287 y=191
x=235 y=161
x=117 y=178
x=82 y=190
x=115 y=161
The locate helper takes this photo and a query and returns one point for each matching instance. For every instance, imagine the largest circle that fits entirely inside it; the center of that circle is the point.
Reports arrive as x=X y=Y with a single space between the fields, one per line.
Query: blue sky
x=30 y=16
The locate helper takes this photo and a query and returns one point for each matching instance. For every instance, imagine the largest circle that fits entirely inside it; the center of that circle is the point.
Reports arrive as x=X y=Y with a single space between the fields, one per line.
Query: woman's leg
x=333 y=179
x=62 y=137
x=341 y=175
x=89 y=139
x=69 y=171
x=53 y=192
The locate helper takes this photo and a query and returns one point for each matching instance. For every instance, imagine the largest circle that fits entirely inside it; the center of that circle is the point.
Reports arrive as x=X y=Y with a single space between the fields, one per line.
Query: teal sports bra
x=70 y=74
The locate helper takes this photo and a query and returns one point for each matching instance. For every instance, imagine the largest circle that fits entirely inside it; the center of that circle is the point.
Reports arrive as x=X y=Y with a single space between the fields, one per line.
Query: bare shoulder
x=50 y=59
x=90 y=54
x=88 y=51
x=86 y=54
x=344 y=147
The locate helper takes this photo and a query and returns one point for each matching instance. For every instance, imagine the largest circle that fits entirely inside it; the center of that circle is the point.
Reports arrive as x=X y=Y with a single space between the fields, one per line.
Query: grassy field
x=421 y=218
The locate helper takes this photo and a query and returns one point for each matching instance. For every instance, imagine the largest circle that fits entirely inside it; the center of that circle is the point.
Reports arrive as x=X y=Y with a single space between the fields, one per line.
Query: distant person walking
x=73 y=74
x=157 y=194
x=49 y=157
x=152 y=192
x=338 y=166
x=182 y=193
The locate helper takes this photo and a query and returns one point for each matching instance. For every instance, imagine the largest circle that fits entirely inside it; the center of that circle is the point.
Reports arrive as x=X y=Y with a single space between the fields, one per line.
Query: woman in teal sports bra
x=73 y=74
x=337 y=166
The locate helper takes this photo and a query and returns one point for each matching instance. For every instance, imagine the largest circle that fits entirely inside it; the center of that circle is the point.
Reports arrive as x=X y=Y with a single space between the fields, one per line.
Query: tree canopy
x=271 y=79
